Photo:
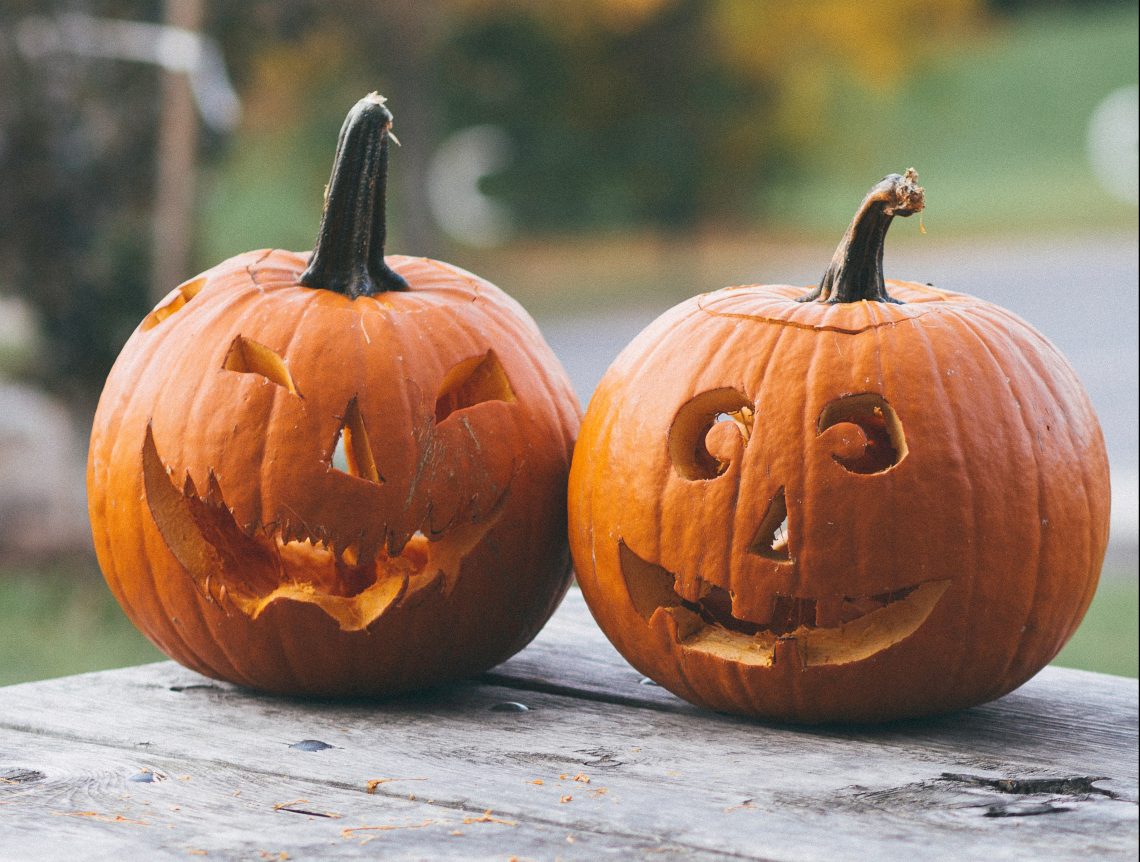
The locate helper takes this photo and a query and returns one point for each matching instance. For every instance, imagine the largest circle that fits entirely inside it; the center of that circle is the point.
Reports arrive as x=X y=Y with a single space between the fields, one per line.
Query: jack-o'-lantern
x=341 y=474
x=850 y=505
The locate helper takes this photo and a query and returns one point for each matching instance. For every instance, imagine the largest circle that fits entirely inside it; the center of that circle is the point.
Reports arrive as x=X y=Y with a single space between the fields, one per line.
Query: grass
x=62 y=620
x=997 y=130
x=1107 y=638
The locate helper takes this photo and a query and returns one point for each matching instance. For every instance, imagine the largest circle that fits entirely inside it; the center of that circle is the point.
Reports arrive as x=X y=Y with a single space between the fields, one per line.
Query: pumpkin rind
x=211 y=473
x=978 y=538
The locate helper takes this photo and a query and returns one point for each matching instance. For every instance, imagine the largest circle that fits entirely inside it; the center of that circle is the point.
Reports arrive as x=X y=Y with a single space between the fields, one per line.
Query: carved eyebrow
x=247 y=356
x=471 y=382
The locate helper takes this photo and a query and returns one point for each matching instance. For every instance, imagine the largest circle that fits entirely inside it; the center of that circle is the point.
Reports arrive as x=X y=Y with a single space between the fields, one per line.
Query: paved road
x=1081 y=293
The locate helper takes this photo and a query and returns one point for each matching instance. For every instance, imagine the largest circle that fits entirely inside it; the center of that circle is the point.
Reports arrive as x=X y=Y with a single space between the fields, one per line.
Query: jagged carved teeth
x=345 y=552
x=801 y=630
x=250 y=570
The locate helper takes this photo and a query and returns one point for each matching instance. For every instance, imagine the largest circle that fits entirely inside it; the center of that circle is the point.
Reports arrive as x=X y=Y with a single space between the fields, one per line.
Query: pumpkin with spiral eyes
x=851 y=505
x=336 y=475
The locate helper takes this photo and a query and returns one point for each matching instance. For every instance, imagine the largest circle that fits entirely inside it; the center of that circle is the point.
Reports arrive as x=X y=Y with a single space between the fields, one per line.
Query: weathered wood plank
x=672 y=776
x=715 y=787
x=1062 y=718
x=91 y=802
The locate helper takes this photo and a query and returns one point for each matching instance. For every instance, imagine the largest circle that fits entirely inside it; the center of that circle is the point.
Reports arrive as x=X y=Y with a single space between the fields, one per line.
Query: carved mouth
x=250 y=568
x=801 y=631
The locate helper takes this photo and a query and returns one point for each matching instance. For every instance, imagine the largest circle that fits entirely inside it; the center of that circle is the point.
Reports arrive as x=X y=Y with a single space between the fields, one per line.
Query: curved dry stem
x=856 y=269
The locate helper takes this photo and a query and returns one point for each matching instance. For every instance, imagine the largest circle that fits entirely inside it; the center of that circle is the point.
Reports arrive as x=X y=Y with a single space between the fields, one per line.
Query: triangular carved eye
x=471 y=382
x=352 y=452
x=251 y=357
x=771 y=538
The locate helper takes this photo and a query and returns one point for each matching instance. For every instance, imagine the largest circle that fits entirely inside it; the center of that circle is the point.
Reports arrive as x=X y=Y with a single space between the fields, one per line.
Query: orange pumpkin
x=851 y=505
x=342 y=474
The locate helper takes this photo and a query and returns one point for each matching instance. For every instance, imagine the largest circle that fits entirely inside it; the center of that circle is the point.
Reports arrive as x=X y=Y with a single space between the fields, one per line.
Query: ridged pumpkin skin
x=236 y=540
x=486 y=483
x=938 y=567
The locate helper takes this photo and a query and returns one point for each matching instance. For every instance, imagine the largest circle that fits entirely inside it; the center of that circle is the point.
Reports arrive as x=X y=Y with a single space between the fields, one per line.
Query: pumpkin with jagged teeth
x=337 y=474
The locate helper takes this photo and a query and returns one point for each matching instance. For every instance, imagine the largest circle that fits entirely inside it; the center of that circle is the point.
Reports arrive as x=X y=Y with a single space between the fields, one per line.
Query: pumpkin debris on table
x=874 y=501
x=336 y=474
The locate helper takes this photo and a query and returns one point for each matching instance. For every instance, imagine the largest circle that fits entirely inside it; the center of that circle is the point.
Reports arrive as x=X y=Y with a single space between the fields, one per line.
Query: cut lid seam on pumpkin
x=912 y=313
x=254 y=271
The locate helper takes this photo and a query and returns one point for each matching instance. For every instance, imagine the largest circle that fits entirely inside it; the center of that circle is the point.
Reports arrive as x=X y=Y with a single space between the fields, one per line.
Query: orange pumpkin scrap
x=852 y=505
x=340 y=474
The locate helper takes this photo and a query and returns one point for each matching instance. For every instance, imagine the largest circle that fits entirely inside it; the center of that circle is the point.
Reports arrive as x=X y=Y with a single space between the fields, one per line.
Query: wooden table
x=563 y=752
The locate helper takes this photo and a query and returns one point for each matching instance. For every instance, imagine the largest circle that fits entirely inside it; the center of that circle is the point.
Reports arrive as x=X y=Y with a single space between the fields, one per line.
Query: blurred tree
x=76 y=137
x=618 y=119
x=318 y=59
x=669 y=112
x=176 y=158
x=622 y=112
x=1016 y=6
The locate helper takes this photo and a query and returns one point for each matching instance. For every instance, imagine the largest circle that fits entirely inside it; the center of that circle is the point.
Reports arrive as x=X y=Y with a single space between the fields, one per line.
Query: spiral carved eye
x=709 y=431
x=866 y=436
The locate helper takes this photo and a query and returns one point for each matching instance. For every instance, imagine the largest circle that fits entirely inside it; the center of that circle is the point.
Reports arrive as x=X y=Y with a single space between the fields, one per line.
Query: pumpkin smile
x=251 y=568
x=825 y=630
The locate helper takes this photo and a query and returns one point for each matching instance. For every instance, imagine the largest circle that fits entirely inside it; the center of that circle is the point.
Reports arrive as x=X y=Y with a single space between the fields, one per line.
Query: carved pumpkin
x=342 y=474
x=844 y=506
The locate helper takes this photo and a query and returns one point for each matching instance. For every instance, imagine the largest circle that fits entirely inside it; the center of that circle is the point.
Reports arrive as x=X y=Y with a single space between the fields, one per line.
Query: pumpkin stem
x=349 y=253
x=856 y=270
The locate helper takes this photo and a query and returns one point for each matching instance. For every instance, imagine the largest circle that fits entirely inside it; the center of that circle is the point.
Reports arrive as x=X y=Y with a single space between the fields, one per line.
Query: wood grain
x=87 y=803
x=665 y=780
x=1062 y=718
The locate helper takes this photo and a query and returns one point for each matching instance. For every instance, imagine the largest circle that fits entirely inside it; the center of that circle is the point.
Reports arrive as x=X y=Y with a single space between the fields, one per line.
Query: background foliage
x=622 y=114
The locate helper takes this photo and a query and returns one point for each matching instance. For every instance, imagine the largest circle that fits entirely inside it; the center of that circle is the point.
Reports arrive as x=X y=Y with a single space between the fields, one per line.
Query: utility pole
x=173 y=229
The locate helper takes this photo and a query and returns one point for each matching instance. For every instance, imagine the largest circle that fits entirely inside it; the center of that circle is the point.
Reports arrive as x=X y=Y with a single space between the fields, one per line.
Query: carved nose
x=770 y=540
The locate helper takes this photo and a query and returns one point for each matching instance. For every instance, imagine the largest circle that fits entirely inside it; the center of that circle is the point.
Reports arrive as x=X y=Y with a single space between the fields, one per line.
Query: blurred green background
x=601 y=159
x=60 y=620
